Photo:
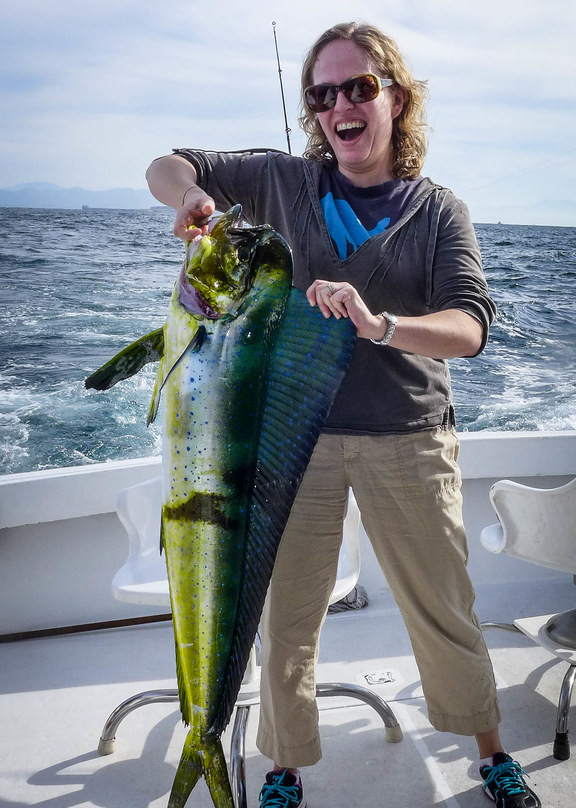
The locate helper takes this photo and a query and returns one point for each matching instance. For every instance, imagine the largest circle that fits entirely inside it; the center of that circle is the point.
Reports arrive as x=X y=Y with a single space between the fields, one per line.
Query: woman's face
x=360 y=134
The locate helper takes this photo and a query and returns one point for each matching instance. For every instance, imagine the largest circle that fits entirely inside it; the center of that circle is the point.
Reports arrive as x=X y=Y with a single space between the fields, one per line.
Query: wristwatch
x=392 y=321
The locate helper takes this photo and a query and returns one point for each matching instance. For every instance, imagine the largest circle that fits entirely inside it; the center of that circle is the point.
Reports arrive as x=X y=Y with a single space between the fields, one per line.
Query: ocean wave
x=75 y=289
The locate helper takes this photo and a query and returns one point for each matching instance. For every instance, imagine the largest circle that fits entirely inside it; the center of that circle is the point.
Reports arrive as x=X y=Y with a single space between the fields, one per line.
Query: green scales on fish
x=248 y=371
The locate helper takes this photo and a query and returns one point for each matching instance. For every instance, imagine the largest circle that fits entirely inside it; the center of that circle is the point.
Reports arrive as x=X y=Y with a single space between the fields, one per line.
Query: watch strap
x=392 y=321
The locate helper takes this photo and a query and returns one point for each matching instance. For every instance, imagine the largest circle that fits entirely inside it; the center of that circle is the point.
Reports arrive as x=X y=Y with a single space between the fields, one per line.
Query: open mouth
x=349 y=130
x=205 y=307
x=192 y=300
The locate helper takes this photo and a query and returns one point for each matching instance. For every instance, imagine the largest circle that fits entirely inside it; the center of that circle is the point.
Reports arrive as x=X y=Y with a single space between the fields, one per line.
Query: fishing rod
x=287 y=130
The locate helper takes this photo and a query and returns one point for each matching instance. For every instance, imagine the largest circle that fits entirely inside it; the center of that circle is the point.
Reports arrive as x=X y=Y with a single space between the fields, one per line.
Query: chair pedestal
x=562 y=629
x=537 y=628
x=107 y=743
x=143 y=580
x=537 y=525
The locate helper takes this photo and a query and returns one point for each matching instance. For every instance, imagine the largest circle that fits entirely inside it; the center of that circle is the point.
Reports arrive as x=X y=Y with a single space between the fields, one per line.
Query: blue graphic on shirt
x=344 y=226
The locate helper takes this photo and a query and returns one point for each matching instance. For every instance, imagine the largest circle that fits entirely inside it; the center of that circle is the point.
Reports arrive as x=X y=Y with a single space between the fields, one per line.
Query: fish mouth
x=217 y=272
x=192 y=300
x=205 y=308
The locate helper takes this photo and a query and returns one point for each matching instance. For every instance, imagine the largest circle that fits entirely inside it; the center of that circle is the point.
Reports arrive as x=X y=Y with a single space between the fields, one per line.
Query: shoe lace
x=507 y=777
x=277 y=795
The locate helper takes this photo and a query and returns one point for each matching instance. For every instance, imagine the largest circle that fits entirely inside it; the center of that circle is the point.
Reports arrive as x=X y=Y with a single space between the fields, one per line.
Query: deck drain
x=380 y=678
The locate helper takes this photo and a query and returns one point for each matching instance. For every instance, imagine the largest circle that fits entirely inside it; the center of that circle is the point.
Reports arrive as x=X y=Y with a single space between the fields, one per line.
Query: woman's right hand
x=192 y=218
x=172 y=180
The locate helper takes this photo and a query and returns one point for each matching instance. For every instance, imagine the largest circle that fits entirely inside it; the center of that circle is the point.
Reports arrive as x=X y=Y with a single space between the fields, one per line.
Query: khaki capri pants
x=408 y=490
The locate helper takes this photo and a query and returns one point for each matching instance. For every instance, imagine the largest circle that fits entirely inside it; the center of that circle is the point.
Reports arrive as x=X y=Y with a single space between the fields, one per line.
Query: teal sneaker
x=282 y=789
x=504 y=784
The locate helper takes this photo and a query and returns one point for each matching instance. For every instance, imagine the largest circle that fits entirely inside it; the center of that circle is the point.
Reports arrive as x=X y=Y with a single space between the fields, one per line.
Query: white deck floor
x=56 y=693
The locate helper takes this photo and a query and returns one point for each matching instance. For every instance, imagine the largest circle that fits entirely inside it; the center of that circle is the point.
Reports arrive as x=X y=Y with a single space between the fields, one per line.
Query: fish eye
x=245 y=251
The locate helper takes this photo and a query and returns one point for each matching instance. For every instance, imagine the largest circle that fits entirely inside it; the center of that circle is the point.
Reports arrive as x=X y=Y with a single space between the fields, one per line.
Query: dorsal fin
x=307 y=365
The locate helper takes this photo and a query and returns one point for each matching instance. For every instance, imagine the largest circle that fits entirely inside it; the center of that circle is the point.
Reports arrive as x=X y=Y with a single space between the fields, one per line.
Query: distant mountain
x=47 y=195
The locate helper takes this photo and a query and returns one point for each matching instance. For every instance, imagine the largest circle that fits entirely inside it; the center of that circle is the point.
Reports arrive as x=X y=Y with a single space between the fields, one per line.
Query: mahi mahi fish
x=248 y=371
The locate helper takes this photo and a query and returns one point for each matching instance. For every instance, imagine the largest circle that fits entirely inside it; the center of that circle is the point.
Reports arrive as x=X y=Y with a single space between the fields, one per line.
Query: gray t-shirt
x=427 y=261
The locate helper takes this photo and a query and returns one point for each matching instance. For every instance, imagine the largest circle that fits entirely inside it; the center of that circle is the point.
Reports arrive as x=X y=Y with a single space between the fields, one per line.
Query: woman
x=374 y=241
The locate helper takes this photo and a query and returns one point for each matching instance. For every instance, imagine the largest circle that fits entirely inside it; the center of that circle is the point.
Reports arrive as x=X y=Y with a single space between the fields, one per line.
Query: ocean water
x=78 y=285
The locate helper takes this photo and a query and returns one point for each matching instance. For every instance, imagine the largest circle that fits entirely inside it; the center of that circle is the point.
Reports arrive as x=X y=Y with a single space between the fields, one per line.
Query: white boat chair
x=539 y=525
x=142 y=580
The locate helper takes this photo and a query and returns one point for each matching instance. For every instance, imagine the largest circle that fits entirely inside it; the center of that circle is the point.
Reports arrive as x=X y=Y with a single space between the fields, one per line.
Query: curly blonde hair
x=409 y=141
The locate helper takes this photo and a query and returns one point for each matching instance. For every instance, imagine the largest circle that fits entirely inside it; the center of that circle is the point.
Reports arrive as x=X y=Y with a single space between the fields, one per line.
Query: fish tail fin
x=218 y=780
x=206 y=759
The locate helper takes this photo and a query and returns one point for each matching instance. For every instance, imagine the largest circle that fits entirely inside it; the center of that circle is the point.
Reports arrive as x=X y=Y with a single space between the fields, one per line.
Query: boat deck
x=56 y=693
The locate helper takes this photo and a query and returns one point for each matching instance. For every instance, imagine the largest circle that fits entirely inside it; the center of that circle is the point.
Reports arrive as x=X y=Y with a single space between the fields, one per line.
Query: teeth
x=350 y=125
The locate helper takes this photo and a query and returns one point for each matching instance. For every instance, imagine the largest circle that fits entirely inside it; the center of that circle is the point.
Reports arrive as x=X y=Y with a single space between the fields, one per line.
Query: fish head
x=219 y=267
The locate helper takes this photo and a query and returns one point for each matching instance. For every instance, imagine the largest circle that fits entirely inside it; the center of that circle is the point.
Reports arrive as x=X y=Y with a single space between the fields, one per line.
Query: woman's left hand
x=340 y=299
x=440 y=334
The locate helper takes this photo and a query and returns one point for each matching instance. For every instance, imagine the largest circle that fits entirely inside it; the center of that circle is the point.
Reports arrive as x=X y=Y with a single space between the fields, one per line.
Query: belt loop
x=449 y=418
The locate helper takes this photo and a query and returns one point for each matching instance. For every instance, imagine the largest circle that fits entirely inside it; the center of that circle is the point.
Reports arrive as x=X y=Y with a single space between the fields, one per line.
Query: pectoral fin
x=128 y=361
x=165 y=370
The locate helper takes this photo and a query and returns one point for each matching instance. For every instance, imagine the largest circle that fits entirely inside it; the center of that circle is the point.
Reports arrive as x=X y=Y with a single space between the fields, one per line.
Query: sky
x=91 y=93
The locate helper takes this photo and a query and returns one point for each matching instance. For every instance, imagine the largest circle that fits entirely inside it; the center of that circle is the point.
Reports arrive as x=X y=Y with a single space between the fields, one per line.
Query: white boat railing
x=61 y=541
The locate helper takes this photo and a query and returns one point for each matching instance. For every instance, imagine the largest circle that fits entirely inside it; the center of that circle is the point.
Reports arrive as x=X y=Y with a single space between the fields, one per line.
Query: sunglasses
x=359 y=90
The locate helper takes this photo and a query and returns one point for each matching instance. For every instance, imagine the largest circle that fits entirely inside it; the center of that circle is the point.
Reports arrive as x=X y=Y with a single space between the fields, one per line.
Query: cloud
x=91 y=93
